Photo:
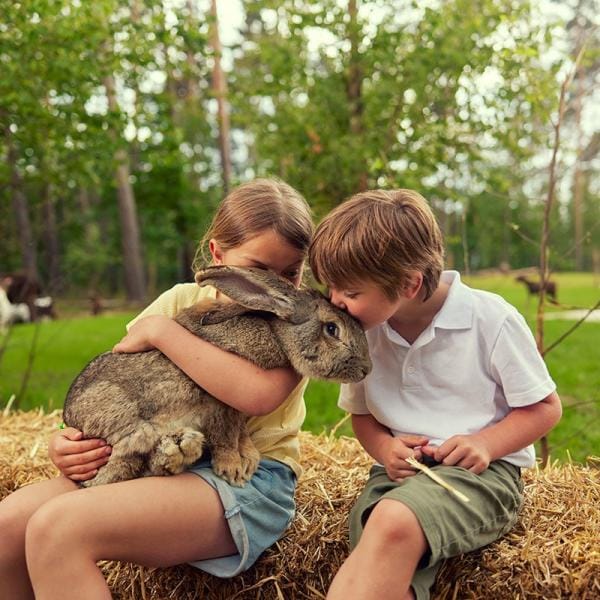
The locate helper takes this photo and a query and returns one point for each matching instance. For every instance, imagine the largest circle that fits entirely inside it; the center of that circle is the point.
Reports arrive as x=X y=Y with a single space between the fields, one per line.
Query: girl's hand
x=397 y=450
x=75 y=458
x=140 y=336
x=467 y=451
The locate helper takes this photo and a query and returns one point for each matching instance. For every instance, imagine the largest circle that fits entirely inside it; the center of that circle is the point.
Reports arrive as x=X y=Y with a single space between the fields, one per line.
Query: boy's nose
x=336 y=300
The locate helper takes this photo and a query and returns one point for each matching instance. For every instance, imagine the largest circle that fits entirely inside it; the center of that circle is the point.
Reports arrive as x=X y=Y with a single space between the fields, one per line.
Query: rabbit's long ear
x=256 y=289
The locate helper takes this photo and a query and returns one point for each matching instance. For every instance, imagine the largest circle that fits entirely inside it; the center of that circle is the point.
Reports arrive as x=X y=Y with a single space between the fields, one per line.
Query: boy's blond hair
x=379 y=236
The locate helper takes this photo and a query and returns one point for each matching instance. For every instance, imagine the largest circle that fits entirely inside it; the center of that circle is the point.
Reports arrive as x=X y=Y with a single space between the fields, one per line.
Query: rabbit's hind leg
x=224 y=427
x=250 y=455
x=228 y=464
x=118 y=468
x=175 y=450
x=237 y=460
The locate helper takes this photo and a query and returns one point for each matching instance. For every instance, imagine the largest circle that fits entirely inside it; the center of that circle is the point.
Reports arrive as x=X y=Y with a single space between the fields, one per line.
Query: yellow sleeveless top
x=275 y=435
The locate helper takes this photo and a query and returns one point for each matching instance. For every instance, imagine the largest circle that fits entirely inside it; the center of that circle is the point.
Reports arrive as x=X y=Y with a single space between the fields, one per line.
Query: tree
x=401 y=93
x=220 y=92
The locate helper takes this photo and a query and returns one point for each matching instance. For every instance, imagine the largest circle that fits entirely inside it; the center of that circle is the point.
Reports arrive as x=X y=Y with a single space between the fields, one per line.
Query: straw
x=552 y=553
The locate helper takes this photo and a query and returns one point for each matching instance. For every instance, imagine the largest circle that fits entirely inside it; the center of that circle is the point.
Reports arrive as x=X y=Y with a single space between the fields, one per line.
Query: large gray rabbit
x=158 y=421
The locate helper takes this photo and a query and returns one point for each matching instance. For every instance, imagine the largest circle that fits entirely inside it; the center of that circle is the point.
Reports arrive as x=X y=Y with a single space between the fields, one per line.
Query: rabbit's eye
x=332 y=329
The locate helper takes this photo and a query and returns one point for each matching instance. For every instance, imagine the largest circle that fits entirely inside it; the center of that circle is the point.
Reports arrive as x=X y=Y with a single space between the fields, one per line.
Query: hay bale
x=552 y=553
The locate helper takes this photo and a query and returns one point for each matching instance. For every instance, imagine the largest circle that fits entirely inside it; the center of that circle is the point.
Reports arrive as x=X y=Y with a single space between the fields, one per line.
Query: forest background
x=124 y=122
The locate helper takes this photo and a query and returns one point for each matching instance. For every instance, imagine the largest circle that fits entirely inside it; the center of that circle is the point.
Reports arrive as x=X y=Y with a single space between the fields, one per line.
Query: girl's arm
x=230 y=378
x=521 y=426
x=76 y=458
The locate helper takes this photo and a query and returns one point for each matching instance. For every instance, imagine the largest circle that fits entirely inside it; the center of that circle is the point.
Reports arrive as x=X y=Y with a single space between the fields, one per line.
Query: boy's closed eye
x=348 y=294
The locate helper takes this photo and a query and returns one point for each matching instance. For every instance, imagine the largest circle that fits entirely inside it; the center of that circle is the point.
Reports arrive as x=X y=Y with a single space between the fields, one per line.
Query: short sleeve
x=177 y=298
x=352 y=398
x=517 y=365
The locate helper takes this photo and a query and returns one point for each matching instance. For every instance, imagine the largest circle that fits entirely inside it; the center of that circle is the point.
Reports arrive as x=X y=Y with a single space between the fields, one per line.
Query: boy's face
x=366 y=302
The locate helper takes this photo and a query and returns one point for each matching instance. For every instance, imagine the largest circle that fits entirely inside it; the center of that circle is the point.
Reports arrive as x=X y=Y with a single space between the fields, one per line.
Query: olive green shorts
x=450 y=525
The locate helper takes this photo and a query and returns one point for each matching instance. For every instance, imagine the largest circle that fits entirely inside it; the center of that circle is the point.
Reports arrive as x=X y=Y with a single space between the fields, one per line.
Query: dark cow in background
x=534 y=287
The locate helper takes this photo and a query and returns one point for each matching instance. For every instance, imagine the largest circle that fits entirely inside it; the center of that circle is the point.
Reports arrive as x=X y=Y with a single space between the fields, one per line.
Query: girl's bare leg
x=15 y=511
x=153 y=521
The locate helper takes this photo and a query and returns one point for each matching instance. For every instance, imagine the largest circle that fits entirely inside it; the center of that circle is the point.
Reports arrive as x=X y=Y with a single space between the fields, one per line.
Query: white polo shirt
x=475 y=361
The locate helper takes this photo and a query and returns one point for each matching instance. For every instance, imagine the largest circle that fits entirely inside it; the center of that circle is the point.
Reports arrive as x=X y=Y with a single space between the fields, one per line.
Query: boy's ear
x=215 y=252
x=413 y=285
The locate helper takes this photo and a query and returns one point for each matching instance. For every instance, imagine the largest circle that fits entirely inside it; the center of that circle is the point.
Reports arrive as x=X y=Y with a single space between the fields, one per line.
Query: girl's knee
x=38 y=528
x=13 y=522
x=48 y=531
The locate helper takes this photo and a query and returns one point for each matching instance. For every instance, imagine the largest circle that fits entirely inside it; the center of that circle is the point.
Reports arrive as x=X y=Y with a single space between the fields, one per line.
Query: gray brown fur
x=158 y=421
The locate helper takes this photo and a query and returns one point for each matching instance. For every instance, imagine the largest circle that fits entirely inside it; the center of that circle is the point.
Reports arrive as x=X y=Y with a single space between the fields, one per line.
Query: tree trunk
x=354 y=90
x=52 y=251
x=21 y=211
x=135 y=285
x=94 y=232
x=193 y=89
x=578 y=178
x=220 y=92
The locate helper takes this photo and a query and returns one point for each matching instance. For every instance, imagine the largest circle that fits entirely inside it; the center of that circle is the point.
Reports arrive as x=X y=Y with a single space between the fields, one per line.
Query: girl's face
x=266 y=250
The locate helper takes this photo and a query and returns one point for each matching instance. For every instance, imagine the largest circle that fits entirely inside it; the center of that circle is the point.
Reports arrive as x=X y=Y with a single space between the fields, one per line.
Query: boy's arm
x=386 y=449
x=230 y=378
x=521 y=426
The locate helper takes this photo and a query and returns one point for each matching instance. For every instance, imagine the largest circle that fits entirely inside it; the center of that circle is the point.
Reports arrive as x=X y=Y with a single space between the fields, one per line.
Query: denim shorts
x=257 y=513
x=451 y=527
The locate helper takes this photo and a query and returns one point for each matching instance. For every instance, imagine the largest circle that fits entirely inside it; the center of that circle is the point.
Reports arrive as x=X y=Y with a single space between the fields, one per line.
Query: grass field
x=63 y=347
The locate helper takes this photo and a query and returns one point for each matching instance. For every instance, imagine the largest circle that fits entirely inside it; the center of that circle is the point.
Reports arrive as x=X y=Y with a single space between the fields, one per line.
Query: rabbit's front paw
x=175 y=451
x=229 y=465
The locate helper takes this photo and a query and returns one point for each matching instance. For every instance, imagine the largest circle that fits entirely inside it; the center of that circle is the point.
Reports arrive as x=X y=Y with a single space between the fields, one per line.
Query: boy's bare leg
x=383 y=563
x=153 y=521
x=15 y=511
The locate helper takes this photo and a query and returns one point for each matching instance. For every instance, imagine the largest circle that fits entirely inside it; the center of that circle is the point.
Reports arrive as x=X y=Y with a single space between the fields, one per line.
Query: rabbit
x=158 y=421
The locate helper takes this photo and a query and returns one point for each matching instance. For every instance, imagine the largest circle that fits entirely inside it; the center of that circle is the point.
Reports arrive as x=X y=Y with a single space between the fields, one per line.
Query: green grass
x=65 y=346
x=62 y=349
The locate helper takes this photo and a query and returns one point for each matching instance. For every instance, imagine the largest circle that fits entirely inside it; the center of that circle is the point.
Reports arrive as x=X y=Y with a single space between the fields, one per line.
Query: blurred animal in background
x=96 y=303
x=11 y=313
x=20 y=289
x=534 y=287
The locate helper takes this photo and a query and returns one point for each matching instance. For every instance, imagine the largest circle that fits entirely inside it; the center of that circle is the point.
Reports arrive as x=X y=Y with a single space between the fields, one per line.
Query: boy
x=457 y=383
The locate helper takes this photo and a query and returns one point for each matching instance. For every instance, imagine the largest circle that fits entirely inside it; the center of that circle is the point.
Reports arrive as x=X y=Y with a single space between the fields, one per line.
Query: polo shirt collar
x=456 y=313
x=457 y=310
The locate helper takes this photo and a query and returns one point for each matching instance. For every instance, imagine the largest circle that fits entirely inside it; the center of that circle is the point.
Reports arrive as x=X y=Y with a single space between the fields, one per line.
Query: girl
x=57 y=528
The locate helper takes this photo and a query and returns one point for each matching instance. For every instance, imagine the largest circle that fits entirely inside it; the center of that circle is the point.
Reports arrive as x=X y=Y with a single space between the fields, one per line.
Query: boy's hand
x=467 y=451
x=140 y=336
x=396 y=450
x=75 y=458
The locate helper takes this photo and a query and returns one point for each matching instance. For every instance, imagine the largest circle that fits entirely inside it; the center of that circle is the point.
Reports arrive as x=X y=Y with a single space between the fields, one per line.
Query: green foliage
x=56 y=58
x=453 y=98
x=424 y=121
